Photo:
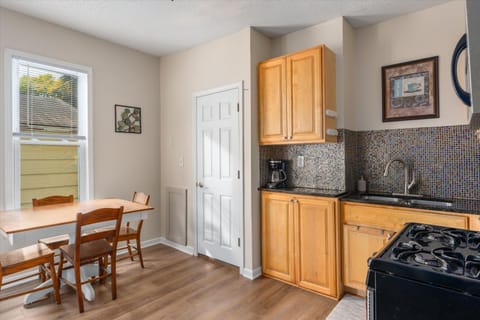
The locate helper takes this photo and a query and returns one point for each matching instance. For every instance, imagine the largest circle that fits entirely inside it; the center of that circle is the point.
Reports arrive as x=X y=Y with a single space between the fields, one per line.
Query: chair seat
x=88 y=250
x=55 y=242
x=127 y=232
x=21 y=257
x=19 y=260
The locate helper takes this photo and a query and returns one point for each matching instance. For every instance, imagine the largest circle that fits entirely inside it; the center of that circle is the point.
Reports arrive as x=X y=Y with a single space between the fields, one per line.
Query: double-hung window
x=48 y=138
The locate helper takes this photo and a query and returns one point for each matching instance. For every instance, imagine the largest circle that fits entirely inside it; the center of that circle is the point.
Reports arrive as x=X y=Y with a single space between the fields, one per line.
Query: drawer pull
x=330 y=113
x=390 y=235
x=332 y=132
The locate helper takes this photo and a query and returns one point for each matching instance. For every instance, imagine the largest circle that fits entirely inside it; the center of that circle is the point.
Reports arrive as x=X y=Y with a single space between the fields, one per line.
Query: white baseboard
x=152 y=242
x=251 y=274
x=185 y=249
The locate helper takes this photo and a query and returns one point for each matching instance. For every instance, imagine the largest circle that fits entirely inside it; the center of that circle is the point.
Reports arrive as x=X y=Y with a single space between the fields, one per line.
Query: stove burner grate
x=451 y=261
x=473 y=240
x=472 y=267
x=405 y=249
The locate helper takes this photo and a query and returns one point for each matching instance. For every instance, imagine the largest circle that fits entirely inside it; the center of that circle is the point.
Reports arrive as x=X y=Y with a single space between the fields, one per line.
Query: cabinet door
x=359 y=244
x=272 y=108
x=304 y=100
x=316 y=245
x=278 y=236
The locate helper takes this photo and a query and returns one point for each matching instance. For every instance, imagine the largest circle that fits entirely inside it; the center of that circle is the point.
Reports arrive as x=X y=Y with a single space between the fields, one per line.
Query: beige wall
x=207 y=66
x=261 y=49
x=348 y=69
x=123 y=163
x=426 y=33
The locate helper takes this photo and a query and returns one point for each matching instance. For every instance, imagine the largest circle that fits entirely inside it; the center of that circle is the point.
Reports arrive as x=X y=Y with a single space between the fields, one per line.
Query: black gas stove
x=426 y=272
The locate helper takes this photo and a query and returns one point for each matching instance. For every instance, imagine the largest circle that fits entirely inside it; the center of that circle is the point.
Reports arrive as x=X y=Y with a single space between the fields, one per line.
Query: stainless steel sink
x=389 y=199
x=430 y=203
x=408 y=201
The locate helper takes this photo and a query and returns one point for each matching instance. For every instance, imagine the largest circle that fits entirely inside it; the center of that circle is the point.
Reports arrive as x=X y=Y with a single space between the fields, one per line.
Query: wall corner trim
x=185 y=249
x=251 y=274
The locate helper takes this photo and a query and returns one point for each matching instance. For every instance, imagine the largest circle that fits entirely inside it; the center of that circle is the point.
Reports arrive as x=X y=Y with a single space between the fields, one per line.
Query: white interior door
x=219 y=195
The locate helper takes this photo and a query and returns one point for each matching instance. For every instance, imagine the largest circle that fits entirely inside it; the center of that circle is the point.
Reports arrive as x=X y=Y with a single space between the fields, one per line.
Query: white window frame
x=11 y=121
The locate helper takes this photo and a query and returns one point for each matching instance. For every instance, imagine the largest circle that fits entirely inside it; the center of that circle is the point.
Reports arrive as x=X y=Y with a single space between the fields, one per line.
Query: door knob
x=199 y=184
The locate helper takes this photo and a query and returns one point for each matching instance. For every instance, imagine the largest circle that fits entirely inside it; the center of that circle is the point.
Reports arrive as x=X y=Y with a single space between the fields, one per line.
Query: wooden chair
x=55 y=242
x=129 y=233
x=93 y=247
x=37 y=255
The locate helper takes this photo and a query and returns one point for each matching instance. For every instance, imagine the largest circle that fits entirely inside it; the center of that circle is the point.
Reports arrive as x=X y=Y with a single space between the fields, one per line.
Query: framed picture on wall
x=410 y=90
x=128 y=119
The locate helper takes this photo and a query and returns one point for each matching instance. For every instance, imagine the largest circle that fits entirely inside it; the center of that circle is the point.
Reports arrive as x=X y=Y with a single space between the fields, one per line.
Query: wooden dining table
x=57 y=219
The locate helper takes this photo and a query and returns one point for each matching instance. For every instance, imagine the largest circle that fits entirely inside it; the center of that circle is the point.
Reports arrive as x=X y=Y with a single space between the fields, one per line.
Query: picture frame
x=128 y=119
x=410 y=90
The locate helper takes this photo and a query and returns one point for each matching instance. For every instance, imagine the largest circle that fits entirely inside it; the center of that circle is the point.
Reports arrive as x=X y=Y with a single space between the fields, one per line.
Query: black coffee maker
x=277 y=174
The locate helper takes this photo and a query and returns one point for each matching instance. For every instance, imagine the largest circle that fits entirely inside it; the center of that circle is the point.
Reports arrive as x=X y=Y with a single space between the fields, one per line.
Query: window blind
x=47 y=101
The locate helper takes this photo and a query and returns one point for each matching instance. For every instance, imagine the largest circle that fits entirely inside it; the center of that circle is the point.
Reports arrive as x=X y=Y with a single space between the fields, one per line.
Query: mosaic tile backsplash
x=324 y=164
x=446 y=161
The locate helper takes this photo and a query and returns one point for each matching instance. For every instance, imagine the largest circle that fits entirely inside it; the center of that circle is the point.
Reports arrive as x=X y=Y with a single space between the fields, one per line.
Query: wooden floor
x=175 y=285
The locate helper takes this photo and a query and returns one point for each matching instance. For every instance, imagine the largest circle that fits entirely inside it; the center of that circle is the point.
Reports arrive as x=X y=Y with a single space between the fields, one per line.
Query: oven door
x=390 y=297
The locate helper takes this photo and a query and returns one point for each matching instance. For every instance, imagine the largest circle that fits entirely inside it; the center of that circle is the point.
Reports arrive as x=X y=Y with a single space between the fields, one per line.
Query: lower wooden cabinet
x=299 y=241
x=278 y=257
x=367 y=228
x=359 y=243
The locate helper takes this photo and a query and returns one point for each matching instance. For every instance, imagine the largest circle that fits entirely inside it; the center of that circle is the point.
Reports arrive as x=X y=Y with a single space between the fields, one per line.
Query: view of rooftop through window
x=48 y=101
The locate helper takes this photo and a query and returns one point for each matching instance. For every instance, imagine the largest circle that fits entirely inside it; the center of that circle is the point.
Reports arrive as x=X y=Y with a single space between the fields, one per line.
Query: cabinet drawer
x=474 y=222
x=393 y=218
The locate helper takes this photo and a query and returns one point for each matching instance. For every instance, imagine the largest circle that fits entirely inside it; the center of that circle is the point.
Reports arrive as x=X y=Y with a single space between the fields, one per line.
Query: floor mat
x=349 y=308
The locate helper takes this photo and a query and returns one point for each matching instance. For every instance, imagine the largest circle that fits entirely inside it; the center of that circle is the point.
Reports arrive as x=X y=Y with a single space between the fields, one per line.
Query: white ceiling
x=161 y=27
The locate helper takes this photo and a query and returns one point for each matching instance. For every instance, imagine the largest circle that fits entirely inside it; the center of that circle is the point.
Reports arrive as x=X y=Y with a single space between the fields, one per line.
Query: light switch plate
x=300 y=161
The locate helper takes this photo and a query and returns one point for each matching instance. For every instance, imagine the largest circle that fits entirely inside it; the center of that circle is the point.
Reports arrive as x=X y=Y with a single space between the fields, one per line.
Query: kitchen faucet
x=406 y=170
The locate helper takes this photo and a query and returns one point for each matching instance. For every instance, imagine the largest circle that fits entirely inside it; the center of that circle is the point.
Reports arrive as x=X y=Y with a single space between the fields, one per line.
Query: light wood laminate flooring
x=175 y=285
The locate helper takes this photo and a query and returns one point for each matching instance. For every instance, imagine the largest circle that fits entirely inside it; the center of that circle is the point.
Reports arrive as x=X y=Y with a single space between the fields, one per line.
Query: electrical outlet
x=300 y=161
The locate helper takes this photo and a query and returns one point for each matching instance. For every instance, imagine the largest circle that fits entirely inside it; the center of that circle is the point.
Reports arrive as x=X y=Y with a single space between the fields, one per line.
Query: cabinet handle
x=290 y=138
x=285 y=138
x=390 y=235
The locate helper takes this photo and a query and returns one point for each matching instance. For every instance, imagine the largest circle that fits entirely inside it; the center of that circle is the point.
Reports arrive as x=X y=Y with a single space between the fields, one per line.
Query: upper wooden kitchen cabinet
x=297 y=98
x=299 y=241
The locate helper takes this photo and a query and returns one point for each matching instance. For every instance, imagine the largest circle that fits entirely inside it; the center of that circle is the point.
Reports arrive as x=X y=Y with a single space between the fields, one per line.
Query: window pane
x=48 y=170
x=48 y=101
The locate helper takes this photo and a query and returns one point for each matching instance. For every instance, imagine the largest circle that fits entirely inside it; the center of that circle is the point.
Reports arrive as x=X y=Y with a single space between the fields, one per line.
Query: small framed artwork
x=128 y=119
x=410 y=90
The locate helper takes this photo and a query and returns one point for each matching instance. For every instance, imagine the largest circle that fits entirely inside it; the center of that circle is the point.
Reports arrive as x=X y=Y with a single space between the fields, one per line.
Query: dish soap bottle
x=362 y=185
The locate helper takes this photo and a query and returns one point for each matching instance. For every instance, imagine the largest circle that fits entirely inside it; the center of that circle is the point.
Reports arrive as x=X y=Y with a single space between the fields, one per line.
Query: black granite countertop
x=457 y=205
x=307 y=191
